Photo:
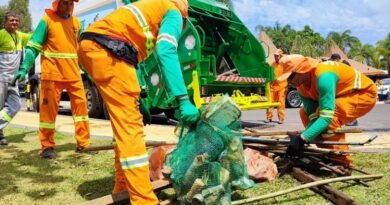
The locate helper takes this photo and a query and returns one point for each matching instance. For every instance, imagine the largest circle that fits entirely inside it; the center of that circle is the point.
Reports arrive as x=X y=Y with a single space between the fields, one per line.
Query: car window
x=386 y=81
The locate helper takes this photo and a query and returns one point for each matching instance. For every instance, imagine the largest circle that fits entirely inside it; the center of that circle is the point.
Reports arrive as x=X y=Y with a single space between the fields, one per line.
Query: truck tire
x=170 y=114
x=292 y=99
x=94 y=101
x=105 y=111
x=35 y=99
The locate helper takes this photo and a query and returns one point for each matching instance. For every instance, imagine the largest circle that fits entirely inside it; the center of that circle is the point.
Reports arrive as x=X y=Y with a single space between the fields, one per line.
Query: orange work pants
x=118 y=84
x=278 y=96
x=348 y=108
x=50 y=94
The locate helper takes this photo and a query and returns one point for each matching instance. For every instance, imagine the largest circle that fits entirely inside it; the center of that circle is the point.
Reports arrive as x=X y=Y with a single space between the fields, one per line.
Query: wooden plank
x=123 y=196
x=327 y=191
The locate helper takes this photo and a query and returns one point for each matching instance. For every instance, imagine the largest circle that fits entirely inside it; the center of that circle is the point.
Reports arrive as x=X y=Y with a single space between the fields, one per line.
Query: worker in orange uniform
x=333 y=94
x=110 y=50
x=278 y=90
x=56 y=39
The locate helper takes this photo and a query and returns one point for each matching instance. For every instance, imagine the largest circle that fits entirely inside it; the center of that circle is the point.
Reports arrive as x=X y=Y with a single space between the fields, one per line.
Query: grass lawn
x=73 y=178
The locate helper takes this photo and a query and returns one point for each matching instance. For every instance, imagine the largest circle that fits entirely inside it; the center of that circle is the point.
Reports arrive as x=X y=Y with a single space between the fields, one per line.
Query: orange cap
x=297 y=64
x=182 y=5
x=56 y=2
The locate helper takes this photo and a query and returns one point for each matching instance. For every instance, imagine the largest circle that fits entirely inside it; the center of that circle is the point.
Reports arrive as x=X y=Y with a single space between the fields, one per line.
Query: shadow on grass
x=96 y=188
x=29 y=167
x=18 y=138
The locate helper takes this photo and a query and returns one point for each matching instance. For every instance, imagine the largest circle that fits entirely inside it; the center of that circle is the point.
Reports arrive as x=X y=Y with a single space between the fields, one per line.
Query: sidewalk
x=100 y=129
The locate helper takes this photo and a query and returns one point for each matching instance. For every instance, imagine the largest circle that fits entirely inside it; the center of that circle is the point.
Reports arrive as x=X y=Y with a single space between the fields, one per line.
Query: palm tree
x=282 y=36
x=362 y=53
x=384 y=50
x=308 y=43
x=343 y=39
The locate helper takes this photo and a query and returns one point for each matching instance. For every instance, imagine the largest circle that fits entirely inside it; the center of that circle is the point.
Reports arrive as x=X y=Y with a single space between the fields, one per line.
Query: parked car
x=292 y=97
x=384 y=89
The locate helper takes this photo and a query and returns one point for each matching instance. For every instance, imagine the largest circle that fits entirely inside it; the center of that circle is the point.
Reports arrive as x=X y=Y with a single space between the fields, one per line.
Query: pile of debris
x=209 y=162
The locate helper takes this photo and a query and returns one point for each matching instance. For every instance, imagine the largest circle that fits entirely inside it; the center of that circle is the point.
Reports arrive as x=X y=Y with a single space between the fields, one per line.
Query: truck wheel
x=170 y=114
x=292 y=99
x=94 y=101
x=106 y=114
x=35 y=99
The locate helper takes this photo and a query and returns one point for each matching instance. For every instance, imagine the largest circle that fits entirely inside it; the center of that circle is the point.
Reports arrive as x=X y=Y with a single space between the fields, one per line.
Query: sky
x=369 y=20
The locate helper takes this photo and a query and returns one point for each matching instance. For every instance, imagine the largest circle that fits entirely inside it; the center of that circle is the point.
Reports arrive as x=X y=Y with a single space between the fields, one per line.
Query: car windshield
x=386 y=81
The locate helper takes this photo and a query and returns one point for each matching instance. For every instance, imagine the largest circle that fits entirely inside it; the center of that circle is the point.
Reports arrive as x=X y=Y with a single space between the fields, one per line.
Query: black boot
x=3 y=141
x=48 y=153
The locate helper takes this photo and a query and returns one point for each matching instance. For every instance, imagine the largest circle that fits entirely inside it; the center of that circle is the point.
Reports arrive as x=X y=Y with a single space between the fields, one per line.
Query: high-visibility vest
x=59 y=52
x=278 y=85
x=137 y=23
x=349 y=80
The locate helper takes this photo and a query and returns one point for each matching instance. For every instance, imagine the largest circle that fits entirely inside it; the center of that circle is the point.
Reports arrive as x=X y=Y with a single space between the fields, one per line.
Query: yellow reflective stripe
x=168 y=38
x=327 y=113
x=80 y=118
x=281 y=111
x=5 y=115
x=357 y=81
x=134 y=162
x=327 y=135
x=313 y=116
x=60 y=55
x=46 y=125
x=34 y=45
x=145 y=27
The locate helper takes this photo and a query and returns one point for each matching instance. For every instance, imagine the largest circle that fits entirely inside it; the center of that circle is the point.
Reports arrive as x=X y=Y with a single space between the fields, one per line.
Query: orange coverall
x=278 y=94
x=56 y=39
x=118 y=84
x=355 y=96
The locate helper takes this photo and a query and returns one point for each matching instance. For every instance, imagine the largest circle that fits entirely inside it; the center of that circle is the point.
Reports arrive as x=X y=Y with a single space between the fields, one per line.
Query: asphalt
x=161 y=130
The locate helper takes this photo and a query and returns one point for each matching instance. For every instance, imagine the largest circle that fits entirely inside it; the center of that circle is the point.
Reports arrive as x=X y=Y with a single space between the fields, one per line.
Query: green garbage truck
x=217 y=52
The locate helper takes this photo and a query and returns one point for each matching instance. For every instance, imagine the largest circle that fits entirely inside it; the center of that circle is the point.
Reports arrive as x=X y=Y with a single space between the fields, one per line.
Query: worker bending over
x=333 y=94
x=110 y=50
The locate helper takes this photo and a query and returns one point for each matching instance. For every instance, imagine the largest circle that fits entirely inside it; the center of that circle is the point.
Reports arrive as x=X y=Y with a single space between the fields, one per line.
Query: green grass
x=73 y=178
x=377 y=193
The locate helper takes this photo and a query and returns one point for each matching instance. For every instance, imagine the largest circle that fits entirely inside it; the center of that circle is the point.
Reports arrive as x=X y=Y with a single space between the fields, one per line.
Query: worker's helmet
x=182 y=5
x=56 y=2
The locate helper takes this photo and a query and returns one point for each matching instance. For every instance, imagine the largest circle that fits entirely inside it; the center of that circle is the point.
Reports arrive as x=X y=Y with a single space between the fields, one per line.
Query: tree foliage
x=343 y=39
x=21 y=7
x=307 y=42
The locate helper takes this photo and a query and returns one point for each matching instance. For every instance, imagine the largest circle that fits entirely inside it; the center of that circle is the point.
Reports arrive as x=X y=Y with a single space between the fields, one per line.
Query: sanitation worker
x=333 y=94
x=109 y=51
x=11 y=43
x=278 y=90
x=56 y=39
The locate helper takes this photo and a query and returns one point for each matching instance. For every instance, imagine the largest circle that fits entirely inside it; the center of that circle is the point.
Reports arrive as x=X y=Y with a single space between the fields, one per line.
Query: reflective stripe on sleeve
x=168 y=38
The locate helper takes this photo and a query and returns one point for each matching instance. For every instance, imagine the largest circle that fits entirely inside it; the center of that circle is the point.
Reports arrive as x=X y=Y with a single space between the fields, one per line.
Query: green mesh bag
x=209 y=160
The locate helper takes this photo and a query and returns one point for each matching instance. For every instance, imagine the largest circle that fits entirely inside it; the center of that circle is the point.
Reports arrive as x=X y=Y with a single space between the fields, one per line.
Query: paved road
x=378 y=120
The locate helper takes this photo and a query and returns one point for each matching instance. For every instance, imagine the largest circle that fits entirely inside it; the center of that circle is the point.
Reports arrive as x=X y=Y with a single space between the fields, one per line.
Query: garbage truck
x=218 y=56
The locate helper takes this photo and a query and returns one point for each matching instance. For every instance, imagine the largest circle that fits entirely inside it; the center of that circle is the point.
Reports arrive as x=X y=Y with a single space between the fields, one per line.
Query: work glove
x=296 y=145
x=19 y=76
x=188 y=112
